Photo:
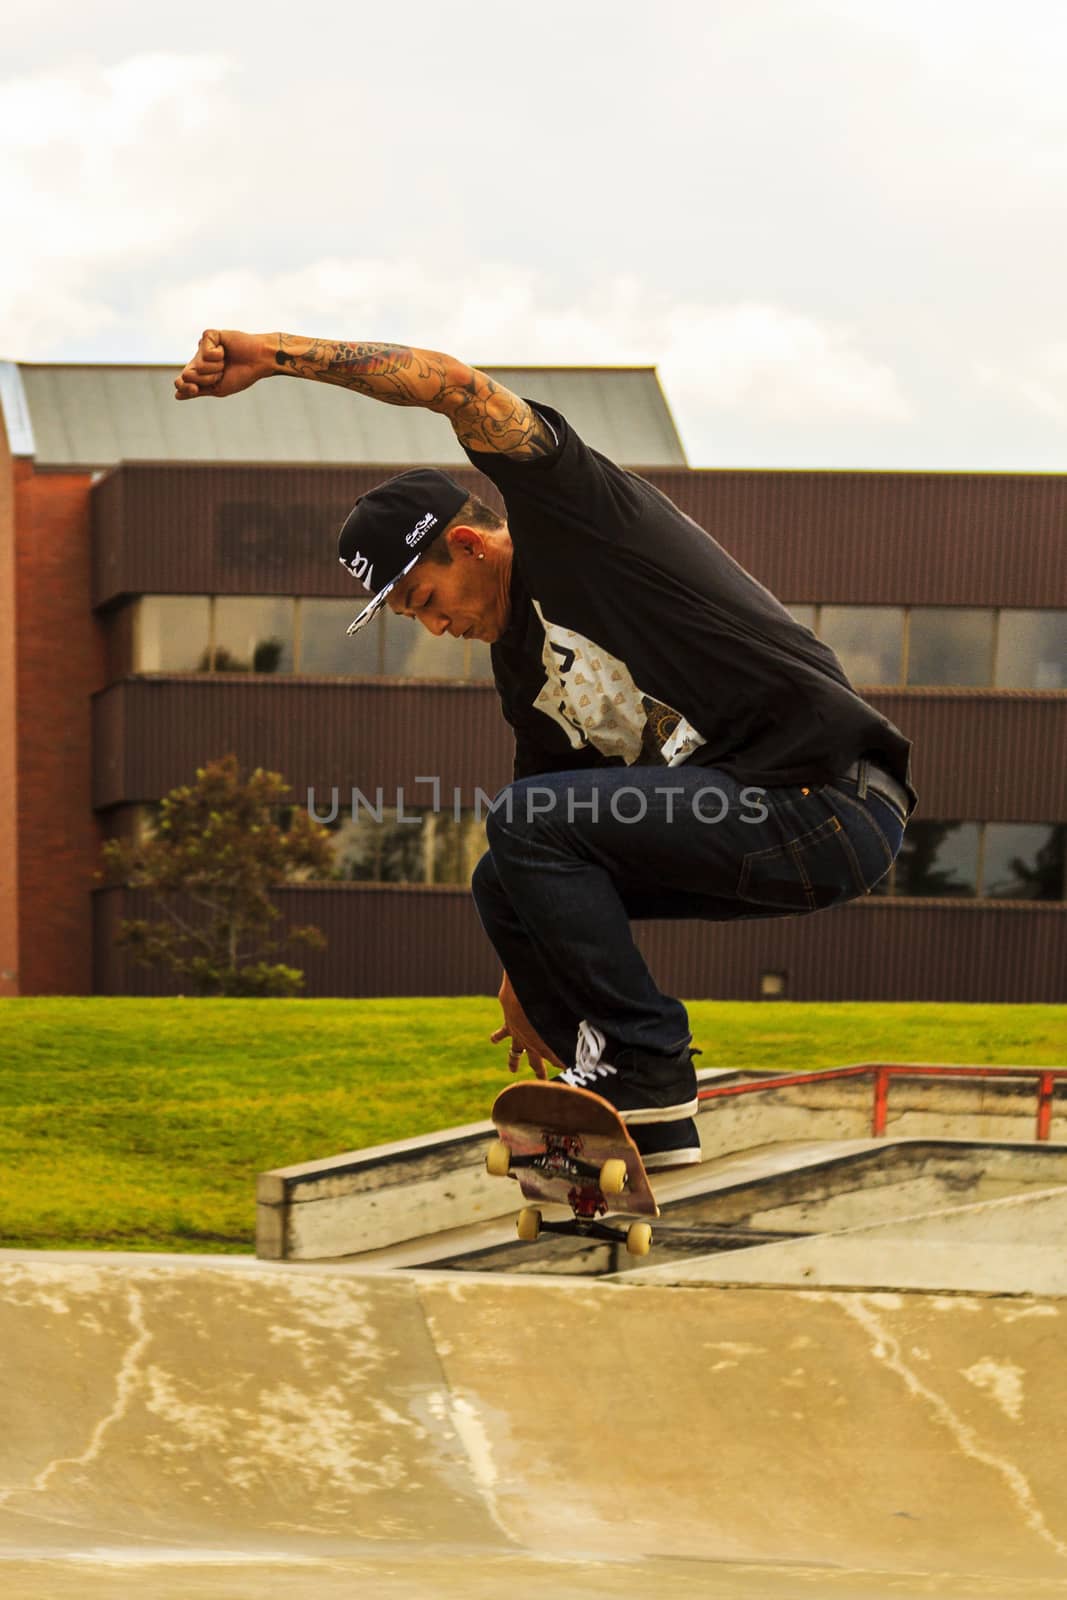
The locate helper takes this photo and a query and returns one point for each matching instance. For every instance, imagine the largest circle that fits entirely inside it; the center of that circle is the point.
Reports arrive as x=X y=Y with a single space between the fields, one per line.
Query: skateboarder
x=683 y=747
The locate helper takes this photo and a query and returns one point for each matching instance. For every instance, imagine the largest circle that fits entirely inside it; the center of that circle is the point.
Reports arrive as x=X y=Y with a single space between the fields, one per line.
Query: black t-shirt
x=634 y=638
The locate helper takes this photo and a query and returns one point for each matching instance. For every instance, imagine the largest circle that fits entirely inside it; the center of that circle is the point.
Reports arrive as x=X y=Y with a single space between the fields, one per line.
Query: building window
x=1032 y=650
x=172 y=633
x=867 y=640
x=390 y=646
x=368 y=851
x=954 y=646
x=993 y=860
x=937 y=858
x=458 y=845
x=950 y=645
x=412 y=652
x=409 y=651
x=878 y=646
x=131 y=824
x=803 y=614
x=421 y=847
x=244 y=633
x=1024 y=861
x=479 y=661
x=325 y=645
x=253 y=634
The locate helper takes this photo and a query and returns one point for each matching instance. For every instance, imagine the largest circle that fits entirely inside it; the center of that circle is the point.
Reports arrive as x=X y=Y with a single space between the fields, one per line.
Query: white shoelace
x=588 y=1065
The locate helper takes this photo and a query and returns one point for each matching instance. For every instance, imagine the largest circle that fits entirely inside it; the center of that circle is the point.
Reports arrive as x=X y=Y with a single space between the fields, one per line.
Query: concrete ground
x=229 y=1428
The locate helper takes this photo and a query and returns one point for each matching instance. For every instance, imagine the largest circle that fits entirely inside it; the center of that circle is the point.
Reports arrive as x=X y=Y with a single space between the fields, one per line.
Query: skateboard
x=569 y=1147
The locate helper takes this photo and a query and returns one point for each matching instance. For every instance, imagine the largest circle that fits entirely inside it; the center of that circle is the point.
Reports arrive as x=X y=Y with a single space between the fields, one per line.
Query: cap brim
x=370 y=612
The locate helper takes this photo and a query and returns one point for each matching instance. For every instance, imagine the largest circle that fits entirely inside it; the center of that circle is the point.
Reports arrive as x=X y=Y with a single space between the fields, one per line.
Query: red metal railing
x=881 y=1074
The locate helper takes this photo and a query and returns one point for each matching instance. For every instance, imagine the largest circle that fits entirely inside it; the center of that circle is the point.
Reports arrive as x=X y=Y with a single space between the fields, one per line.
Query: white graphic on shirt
x=594 y=699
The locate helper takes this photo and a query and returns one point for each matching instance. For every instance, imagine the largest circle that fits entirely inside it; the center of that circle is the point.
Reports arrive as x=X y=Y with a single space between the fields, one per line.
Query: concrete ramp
x=176 y=1426
x=1008 y=1246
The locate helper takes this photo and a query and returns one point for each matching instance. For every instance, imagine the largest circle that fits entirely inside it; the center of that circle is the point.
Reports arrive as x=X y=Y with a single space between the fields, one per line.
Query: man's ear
x=464 y=541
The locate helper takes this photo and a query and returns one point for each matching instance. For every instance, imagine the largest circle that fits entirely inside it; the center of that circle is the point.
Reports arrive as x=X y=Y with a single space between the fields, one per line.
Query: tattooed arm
x=484 y=415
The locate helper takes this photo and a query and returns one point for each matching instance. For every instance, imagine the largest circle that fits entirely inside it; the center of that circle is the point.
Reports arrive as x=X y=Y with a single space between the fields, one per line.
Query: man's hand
x=225 y=363
x=524 y=1037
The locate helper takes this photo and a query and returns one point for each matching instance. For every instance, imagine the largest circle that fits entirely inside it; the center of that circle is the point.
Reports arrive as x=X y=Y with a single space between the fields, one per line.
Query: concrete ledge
x=368 y=1200
x=364 y=1200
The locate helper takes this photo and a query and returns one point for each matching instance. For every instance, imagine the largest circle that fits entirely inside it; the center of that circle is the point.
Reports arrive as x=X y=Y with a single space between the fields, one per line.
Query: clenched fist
x=225 y=363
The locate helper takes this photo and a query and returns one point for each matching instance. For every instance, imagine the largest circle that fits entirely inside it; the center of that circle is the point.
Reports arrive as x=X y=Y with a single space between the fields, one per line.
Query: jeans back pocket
x=813 y=870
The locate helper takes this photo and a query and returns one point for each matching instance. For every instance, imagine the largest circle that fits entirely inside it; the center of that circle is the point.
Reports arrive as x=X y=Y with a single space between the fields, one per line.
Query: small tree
x=215 y=851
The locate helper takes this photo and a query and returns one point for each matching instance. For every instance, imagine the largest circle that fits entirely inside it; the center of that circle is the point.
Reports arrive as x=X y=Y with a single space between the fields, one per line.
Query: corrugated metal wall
x=231 y=530
x=831 y=537
x=997 y=757
x=874 y=949
x=854 y=538
x=988 y=756
x=394 y=941
x=888 y=538
x=150 y=734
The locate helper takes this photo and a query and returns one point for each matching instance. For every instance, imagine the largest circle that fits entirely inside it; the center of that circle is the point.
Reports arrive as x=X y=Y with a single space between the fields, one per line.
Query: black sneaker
x=642 y=1087
x=668 y=1144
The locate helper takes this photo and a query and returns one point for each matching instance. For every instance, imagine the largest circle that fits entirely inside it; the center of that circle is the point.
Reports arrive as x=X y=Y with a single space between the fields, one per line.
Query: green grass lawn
x=141 y=1124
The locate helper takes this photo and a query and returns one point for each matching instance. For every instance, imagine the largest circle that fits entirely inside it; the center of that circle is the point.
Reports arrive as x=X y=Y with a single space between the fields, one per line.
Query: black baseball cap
x=390 y=526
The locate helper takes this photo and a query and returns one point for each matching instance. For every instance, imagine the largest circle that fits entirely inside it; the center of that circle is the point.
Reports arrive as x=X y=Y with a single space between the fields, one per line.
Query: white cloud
x=777 y=364
x=97 y=111
x=810 y=217
x=1039 y=383
x=760 y=363
x=96 y=164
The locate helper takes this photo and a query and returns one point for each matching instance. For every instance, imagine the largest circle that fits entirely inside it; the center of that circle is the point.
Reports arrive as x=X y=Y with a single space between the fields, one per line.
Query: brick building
x=169 y=593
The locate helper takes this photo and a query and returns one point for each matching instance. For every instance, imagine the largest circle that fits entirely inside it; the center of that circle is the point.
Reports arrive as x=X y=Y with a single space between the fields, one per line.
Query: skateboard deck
x=569 y=1147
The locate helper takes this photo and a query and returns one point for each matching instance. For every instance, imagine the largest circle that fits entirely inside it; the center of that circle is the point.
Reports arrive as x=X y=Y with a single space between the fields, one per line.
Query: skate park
x=267 y=1326
x=836 y=1373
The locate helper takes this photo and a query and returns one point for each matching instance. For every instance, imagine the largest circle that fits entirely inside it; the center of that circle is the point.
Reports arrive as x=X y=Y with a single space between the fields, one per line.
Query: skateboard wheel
x=638 y=1239
x=613 y=1176
x=528 y=1226
x=498 y=1159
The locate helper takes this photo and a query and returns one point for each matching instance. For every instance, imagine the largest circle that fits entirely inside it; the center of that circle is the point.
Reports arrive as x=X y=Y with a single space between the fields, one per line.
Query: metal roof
x=92 y=417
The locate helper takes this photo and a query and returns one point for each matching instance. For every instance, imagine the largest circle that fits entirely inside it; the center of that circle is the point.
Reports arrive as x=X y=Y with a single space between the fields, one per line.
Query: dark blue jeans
x=574 y=857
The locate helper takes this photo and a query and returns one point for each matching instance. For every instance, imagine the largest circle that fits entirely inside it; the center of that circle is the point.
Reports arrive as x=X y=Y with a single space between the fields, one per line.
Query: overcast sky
x=838 y=227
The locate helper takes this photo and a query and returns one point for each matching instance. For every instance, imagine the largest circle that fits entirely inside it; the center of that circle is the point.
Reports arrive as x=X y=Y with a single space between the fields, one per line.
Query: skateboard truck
x=569 y=1147
x=637 y=1237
